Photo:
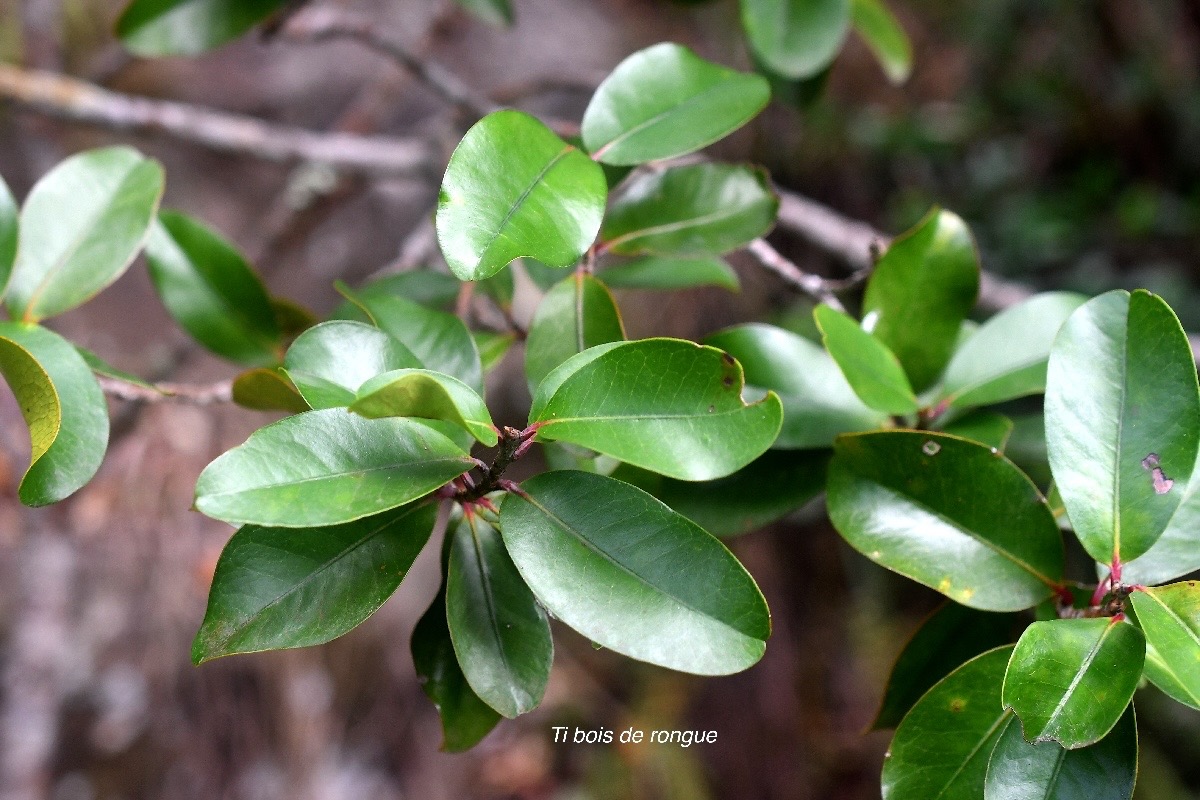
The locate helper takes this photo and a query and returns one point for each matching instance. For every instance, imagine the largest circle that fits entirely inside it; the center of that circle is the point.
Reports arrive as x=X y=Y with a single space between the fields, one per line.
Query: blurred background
x=1066 y=132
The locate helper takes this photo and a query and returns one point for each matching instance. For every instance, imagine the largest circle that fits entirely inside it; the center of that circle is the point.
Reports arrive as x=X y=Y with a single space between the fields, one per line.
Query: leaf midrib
x=520 y=201
x=1069 y=693
x=485 y=579
x=671 y=227
x=660 y=116
x=1191 y=635
x=1004 y=717
x=335 y=475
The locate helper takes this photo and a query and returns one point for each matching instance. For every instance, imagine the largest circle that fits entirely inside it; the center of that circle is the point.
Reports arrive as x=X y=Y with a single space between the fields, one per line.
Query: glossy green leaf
x=292 y=318
x=818 y=403
x=493 y=12
x=465 y=718
x=186 y=27
x=941 y=748
x=429 y=395
x=1107 y=770
x=211 y=291
x=1122 y=411
x=872 y=370
x=697 y=210
x=921 y=291
x=948 y=513
x=493 y=347
x=63 y=407
x=1006 y=357
x=101 y=367
x=81 y=227
x=947 y=638
x=327 y=467
x=796 y=38
x=1170 y=618
x=665 y=101
x=1177 y=552
x=1070 y=680
x=669 y=274
x=8 y=234
x=513 y=188
x=328 y=363
x=882 y=32
x=665 y=405
x=985 y=427
x=268 y=389
x=277 y=588
x=436 y=290
x=632 y=575
x=576 y=314
x=501 y=635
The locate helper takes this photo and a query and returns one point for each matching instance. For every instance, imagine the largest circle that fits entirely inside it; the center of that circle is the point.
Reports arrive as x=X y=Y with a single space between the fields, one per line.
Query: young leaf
x=268 y=389
x=8 y=235
x=512 y=189
x=101 y=367
x=211 y=291
x=882 y=32
x=1006 y=357
x=630 y=574
x=576 y=314
x=947 y=638
x=81 y=227
x=493 y=347
x=63 y=407
x=869 y=366
x=920 y=293
x=985 y=427
x=666 y=405
x=665 y=101
x=1170 y=618
x=818 y=403
x=465 y=718
x=501 y=635
x=796 y=38
x=1122 y=411
x=1070 y=680
x=668 y=274
x=152 y=28
x=430 y=395
x=1107 y=770
x=902 y=499
x=696 y=210
x=493 y=12
x=327 y=467
x=941 y=748
x=277 y=588
x=328 y=363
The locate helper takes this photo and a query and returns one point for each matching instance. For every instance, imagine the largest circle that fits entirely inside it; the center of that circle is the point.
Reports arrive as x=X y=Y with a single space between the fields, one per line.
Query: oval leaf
x=186 y=27
x=666 y=101
x=1122 y=411
x=1170 y=618
x=1070 y=680
x=882 y=32
x=266 y=389
x=669 y=274
x=666 y=405
x=8 y=235
x=512 y=189
x=81 y=227
x=796 y=38
x=576 y=314
x=902 y=499
x=430 y=395
x=277 y=588
x=869 y=366
x=985 y=427
x=327 y=467
x=328 y=363
x=630 y=574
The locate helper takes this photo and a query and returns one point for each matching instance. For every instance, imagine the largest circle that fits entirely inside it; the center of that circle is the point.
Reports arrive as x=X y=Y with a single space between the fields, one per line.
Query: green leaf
x=187 y=27
x=327 y=467
x=292 y=318
x=493 y=12
x=513 y=188
x=633 y=576
x=665 y=405
x=1122 y=411
x=268 y=389
x=947 y=638
x=1107 y=770
x=328 y=363
x=211 y=291
x=8 y=235
x=430 y=395
x=501 y=635
x=669 y=274
x=796 y=38
x=63 y=407
x=872 y=370
x=101 y=367
x=435 y=290
x=882 y=32
x=767 y=489
x=81 y=227
x=578 y=313
x=696 y=210
x=818 y=403
x=920 y=293
x=941 y=748
x=1070 y=680
x=665 y=101
x=1170 y=618
x=277 y=588
x=1006 y=356
x=465 y=718
x=493 y=347
x=985 y=427
x=948 y=513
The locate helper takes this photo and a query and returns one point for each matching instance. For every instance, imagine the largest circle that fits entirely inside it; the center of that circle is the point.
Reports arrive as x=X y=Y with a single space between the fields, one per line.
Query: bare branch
x=811 y=285
x=194 y=394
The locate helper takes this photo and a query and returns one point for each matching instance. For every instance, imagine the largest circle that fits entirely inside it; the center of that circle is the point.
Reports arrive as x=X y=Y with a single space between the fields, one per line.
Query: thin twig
x=811 y=285
x=194 y=394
